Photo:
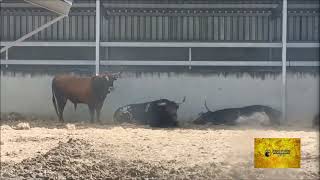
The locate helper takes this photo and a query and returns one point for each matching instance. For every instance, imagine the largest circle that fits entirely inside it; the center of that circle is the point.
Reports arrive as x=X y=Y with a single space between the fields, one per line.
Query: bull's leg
x=91 y=109
x=62 y=104
x=98 y=111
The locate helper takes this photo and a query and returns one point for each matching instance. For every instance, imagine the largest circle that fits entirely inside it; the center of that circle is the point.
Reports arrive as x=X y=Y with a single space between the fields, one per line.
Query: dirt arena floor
x=51 y=150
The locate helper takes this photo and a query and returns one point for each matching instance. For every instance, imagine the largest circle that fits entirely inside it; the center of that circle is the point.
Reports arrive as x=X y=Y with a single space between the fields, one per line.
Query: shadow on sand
x=13 y=119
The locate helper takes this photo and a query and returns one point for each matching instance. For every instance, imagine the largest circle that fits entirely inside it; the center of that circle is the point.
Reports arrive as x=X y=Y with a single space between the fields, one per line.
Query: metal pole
x=7 y=57
x=270 y=37
x=107 y=53
x=190 y=58
x=31 y=33
x=284 y=61
x=97 y=37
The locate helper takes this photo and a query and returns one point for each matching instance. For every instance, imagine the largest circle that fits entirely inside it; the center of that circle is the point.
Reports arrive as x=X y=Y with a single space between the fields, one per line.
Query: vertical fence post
x=284 y=61
x=190 y=57
x=7 y=57
x=97 y=37
x=271 y=33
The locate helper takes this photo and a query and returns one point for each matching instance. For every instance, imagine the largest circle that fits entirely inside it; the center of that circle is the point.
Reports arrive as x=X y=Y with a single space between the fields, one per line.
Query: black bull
x=230 y=116
x=159 y=113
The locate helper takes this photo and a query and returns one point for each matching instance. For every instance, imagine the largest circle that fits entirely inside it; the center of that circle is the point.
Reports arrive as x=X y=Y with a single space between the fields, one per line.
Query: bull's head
x=170 y=107
x=109 y=78
x=103 y=83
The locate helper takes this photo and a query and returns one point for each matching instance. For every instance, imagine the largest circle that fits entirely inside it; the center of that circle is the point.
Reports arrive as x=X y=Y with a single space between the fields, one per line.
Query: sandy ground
x=52 y=150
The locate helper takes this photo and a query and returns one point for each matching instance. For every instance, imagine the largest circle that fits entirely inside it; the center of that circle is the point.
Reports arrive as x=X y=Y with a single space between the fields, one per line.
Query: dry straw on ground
x=22 y=126
x=70 y=126
x=128 y=151
x=5 y=127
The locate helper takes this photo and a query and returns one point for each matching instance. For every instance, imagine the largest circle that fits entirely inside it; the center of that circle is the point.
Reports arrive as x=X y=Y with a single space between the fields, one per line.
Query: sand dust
x=51 y=150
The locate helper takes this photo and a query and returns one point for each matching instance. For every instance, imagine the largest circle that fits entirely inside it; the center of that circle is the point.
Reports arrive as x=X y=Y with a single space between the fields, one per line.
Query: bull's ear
x=106 y=76
x=184 y=100
x=161 y=103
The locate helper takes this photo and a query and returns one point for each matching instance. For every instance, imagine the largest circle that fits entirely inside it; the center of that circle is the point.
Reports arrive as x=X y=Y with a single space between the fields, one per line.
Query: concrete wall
x=28 y=94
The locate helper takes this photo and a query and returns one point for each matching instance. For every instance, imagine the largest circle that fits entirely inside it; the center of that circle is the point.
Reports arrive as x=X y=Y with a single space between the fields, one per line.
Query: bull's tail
x=54 y=99
x=75 y=106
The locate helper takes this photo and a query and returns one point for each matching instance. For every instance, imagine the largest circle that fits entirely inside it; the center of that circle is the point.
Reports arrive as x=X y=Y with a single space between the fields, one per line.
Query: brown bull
x=86 y=90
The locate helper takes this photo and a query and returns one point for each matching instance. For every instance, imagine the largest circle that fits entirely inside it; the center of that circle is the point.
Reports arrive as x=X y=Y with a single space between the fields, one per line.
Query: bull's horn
x=184 y=100
x=106 y=76
x=205 y=105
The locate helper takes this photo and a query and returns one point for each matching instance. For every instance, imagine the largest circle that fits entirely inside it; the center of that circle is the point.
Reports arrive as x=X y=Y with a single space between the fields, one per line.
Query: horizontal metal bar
x=25 y=5
x=159 y=63
x=193 y=6
x=189 y=6
x=167 y=12
x=188 y=44
x=52 y=44
x=206 y=63
x=32 y=12
x=162 y=44
x=47 y=62
x=303 y=45
x=304 y=63
x=143 y=63
x=304 y=6
x=236 y=63
x=188 y=63
x=137 y=5
x=180 y=13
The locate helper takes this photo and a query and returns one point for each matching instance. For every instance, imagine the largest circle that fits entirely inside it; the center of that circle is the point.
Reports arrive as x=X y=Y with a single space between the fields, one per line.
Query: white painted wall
x=26 y=94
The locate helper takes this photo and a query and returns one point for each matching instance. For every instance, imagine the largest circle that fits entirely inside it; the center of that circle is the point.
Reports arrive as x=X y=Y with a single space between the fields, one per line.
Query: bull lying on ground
x=87 y=90
x=159 y=113
x=232 y=116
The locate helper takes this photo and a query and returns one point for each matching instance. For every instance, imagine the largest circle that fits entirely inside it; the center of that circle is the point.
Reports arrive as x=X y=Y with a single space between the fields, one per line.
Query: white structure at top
x=58 y=6
x=61 y=7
